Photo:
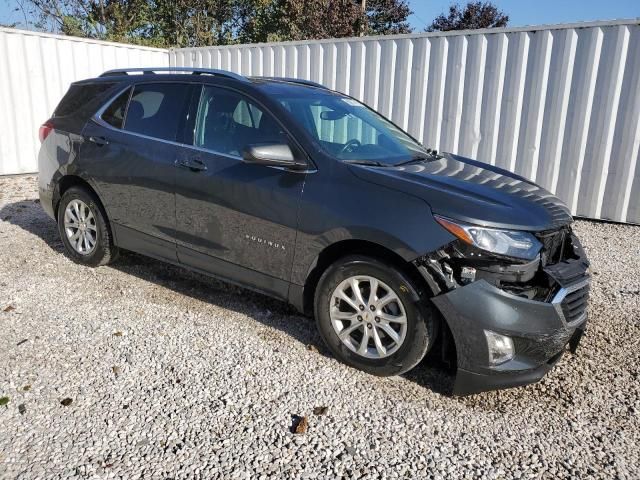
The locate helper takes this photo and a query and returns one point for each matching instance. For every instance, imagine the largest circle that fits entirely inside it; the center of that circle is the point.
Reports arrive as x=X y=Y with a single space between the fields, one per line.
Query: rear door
x=234 y=219
x=130 y=151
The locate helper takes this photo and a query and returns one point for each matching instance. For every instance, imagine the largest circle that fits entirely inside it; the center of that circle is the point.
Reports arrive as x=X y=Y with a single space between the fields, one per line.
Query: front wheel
x=373 y=317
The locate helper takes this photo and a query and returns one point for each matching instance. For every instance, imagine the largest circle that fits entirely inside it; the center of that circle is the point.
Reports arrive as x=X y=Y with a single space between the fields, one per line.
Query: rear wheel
x=83 y=227
x=372 y=316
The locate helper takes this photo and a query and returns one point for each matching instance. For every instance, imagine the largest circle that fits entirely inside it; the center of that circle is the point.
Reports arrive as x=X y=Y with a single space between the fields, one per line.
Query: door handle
x=100 y=141
x=194 y=164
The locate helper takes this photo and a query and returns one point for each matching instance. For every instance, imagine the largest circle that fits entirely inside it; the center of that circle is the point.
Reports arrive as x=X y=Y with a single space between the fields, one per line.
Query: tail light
x=45 y=129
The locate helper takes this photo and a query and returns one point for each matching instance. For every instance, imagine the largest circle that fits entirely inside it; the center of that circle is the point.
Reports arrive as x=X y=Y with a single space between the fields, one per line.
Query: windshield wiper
x=370 y=163
x=429 y=155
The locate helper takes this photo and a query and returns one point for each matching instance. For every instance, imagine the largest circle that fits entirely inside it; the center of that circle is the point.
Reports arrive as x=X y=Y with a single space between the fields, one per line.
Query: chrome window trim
x=97 y=118
x=104 y=124
x=562 y=294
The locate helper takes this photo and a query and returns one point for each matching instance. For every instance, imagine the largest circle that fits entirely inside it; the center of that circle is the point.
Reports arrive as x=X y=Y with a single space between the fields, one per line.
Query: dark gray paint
x=475 y=192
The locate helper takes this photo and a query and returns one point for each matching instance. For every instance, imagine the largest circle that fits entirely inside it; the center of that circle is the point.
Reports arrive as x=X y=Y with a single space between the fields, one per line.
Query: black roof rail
x=300 y=81
x=194 y=71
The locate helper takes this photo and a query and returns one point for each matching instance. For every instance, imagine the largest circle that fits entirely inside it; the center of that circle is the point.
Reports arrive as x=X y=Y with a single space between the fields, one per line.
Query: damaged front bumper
x=539 y=331
x=541 y=315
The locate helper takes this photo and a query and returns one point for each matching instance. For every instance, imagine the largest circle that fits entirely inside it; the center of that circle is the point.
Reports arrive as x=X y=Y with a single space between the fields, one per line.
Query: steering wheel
x=350 y=146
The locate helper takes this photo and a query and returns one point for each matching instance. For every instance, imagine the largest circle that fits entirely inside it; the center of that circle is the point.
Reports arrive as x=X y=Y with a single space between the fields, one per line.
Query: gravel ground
x=141 y=369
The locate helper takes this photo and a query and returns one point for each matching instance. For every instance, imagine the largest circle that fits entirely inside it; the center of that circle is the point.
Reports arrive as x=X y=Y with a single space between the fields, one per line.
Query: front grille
x=574 y=304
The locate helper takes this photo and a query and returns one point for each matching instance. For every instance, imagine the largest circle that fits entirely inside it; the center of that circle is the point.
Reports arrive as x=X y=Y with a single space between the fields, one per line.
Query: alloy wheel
x=368 y=316
x=80 y=227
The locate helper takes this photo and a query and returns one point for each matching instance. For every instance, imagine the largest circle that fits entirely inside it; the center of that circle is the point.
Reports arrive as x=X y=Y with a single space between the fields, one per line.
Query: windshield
x=348 y=130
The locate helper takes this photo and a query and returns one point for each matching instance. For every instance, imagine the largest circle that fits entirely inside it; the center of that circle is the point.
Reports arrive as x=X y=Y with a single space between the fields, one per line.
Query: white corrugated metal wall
x=35 y=72
x=559 y=104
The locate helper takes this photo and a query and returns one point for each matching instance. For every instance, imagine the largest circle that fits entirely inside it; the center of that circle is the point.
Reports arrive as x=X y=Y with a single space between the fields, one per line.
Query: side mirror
x=273 y=155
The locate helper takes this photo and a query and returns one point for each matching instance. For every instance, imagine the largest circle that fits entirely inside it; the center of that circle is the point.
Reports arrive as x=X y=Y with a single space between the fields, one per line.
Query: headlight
x=511 y=243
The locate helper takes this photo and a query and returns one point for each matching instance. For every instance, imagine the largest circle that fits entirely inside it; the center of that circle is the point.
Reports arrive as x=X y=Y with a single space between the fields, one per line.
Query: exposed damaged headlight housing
x=511 y=243
x=500 y=348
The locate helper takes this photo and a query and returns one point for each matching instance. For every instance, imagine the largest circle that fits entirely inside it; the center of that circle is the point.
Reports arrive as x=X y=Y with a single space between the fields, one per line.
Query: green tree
x=388 y=17
x=473 y=15
x=194 y=23
x=115 y=20
x=278 y=20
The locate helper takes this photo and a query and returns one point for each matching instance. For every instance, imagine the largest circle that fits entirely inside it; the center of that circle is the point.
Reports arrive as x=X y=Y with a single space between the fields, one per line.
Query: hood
x=474 y=192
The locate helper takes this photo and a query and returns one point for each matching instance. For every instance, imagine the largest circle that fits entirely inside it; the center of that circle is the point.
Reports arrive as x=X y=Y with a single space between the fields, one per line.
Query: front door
x=235 y=219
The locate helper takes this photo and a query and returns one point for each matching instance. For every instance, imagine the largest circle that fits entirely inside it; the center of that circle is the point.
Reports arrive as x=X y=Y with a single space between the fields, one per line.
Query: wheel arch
x=68 y=181
x=64 y=183
x=343 y=248
x=446 y=344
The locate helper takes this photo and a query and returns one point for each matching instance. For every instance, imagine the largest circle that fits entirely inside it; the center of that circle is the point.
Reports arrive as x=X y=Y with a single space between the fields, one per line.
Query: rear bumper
x=46 y=201
x=539 y=330
x=46 y=170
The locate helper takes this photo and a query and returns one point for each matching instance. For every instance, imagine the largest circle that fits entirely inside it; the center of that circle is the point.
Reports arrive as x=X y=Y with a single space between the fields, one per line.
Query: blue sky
x=521 y=12
x=537 y=12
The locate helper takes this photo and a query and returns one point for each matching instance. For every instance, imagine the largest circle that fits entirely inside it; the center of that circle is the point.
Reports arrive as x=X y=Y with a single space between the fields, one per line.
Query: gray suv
x=307 y=195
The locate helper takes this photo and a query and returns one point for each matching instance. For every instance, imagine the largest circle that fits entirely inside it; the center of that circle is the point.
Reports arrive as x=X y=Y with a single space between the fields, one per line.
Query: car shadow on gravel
x=29 y=216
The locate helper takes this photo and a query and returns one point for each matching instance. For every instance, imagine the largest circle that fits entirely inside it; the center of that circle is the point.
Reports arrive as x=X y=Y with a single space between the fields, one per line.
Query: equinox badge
x=262 y=241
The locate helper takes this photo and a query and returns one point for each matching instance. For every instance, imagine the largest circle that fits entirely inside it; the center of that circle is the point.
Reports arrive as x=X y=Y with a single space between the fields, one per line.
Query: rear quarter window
x=78 y=96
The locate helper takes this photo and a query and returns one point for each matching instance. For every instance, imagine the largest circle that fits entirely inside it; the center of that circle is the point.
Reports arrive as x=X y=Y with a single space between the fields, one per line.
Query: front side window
x=157 y=110
x=348 y=130
x=227 y=122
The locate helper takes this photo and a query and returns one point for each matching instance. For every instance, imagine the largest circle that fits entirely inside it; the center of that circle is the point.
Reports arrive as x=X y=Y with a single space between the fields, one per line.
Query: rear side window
x=157 y=110
x=78 y=96
x=114 y=114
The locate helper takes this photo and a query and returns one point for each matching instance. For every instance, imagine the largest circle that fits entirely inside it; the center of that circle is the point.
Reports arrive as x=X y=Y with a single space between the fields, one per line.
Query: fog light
x=500 y=347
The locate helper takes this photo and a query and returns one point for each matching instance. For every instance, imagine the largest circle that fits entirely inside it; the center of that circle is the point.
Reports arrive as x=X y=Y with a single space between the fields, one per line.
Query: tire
x=103 y=250
x=421 y=317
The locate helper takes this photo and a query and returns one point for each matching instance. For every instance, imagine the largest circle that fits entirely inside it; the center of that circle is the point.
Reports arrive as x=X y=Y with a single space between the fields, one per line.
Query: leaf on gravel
x=117 y=334
x=9 y=308
x=4 y=401
x=22 y=409
x=26 y=388
x=116 y=370
x=300 y=424
x=65 y=402
x=320 y=410
x=22 y=341
x=312 y=348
